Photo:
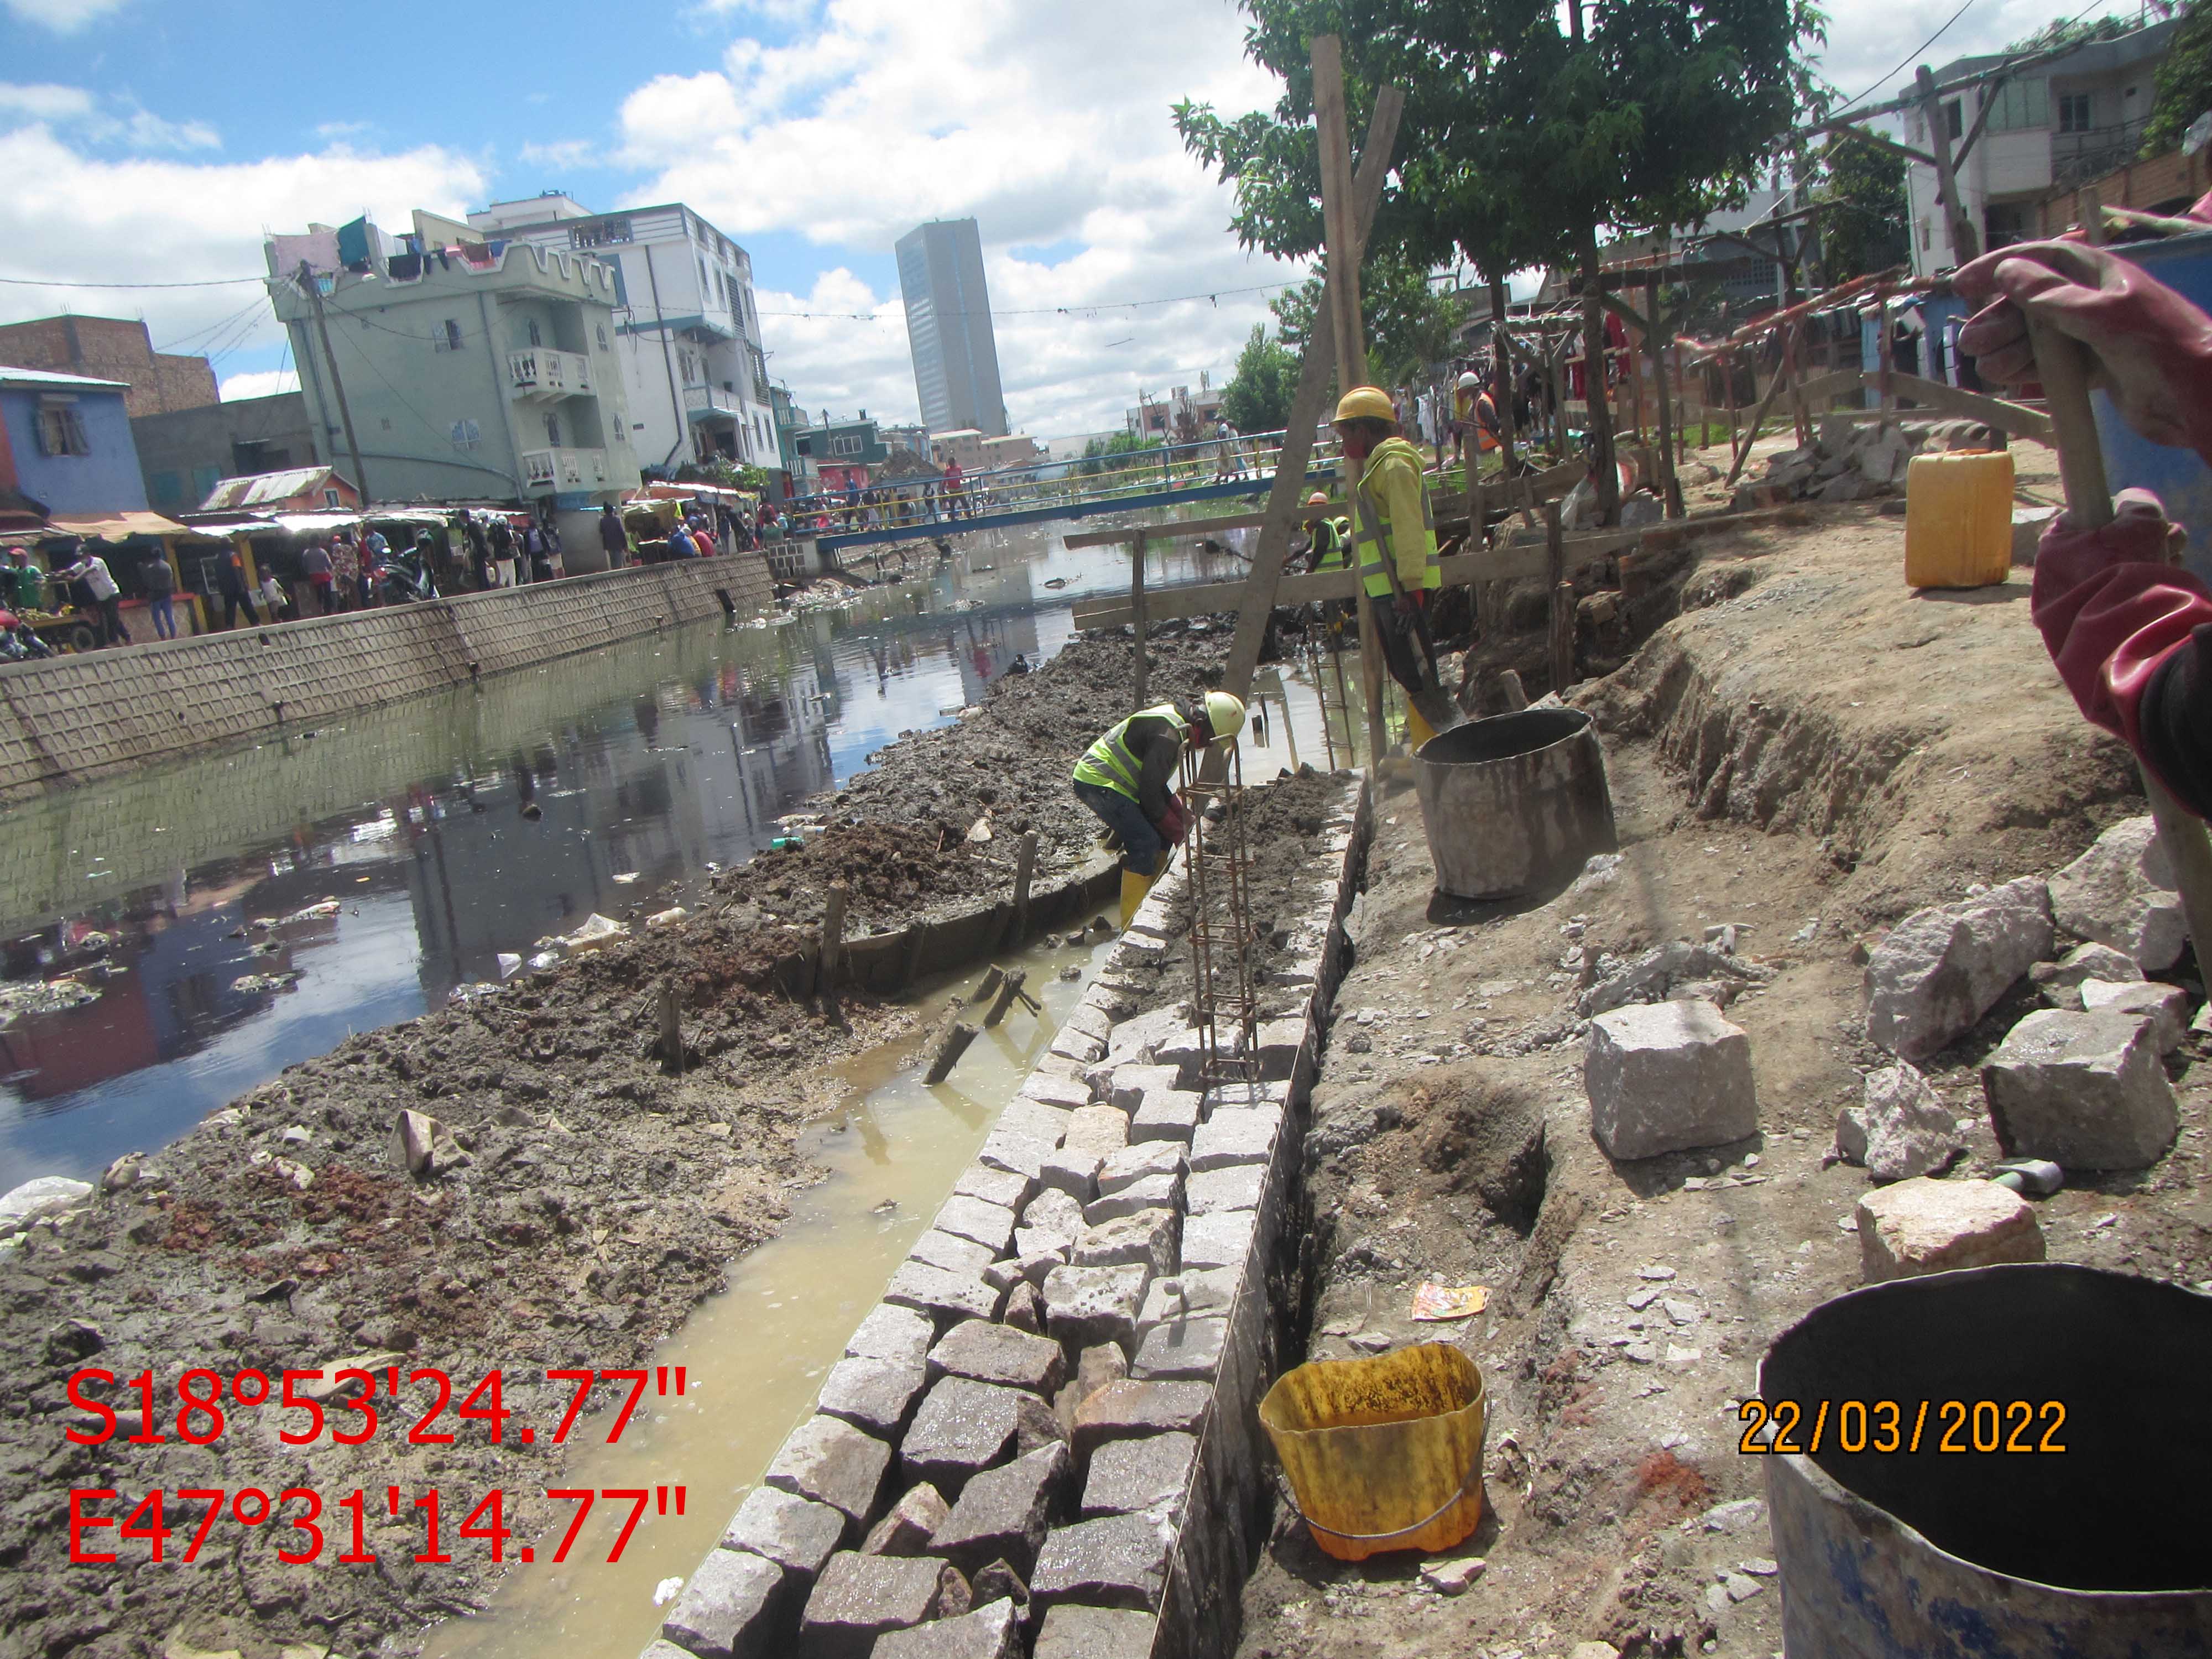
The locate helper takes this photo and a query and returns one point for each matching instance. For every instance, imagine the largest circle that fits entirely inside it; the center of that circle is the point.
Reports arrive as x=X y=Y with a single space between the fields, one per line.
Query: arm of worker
x=1159 y=760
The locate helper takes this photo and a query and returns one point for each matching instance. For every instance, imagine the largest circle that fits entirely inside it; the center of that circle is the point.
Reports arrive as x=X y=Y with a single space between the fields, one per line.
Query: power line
x=61 y=281
x=1909 y=59
x=1067 y=310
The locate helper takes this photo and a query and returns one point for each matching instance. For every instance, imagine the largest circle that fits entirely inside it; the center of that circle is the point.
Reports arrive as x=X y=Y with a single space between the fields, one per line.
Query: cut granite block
x=1132 y=1164
x=1151 y=1192
x=1235 y=1137
x=1100 y=1129
x=1073 y=1631
x=1003 y=1514
x=859 y=1598
x=1279 y=1042
x=797 y=1533
x=1181 y=1350
x=1088 y=1305
x=1089 y=1019
x=892 y=1332
x=1116 y=1561
x=906 y=1529
x=950 y=1254
x=962 y=1428
x=1122 y=1411
x=993 y=1186
x=1144 y=1237
x=993 y=1631
x=1033 y=1120
x=1150 y=1473
x=829 y=1461
x=1221 y=1240
x=991 y=1225
x=1073 y=1045
x=1194 y=1292
x=1237 y=1186
x=1134 y=1039
x=1050 y=1088
x=1075 y=1173
x=996 y=1354
x=874 y=1396
x=1167 y=1115
x=1023 y=1155
x=945 y=1298
x=727 y=1607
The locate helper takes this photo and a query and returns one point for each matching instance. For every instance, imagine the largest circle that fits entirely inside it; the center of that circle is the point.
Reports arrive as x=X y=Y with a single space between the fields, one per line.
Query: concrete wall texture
x=111 y=348
x=106 y=480
x=184 y=453
x=81 y=717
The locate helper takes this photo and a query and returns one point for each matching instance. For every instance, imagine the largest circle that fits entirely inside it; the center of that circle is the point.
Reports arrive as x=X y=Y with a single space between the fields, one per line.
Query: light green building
x=474 y=369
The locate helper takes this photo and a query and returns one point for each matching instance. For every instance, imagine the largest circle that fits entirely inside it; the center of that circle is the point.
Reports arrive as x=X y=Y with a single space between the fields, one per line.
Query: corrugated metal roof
x=36 y=377
x=265 y=489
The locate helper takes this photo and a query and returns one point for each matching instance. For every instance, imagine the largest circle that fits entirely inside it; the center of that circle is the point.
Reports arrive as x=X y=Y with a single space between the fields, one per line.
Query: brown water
x=755 y=1354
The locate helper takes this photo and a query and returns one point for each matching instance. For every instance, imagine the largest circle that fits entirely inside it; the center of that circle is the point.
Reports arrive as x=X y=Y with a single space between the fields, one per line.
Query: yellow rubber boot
x=1417 y=731
x=1133 y=888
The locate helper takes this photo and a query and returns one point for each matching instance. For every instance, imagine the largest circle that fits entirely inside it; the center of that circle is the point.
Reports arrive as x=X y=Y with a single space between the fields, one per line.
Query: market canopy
x=114 y=527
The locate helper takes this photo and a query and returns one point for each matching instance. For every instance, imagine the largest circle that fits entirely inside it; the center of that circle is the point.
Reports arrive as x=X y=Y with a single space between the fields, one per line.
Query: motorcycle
x=403 y=578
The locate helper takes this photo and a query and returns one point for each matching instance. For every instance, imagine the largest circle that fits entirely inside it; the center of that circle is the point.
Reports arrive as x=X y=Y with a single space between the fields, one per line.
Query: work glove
x=1174 y=821
x=2150 y=349
x=1406 y=605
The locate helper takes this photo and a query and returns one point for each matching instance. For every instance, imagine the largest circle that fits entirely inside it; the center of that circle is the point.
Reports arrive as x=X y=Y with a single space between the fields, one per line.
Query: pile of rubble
x=1851 y=459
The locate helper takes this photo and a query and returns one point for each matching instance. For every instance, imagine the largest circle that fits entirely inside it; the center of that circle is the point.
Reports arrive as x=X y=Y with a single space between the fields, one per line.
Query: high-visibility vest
x=1328 y=538
x=1377 y=536
x=1110 y=765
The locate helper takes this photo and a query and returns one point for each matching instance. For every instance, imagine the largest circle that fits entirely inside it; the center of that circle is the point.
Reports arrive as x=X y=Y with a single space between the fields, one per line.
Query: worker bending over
x=1395 y=542
x=1127 y=778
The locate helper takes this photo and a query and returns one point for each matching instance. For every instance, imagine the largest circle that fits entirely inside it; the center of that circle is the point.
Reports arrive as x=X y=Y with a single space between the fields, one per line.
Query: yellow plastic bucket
x=1958 y=518
x=1382 y=1454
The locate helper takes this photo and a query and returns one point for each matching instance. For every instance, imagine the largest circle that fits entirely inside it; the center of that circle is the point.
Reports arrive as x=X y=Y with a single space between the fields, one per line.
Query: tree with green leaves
x=1257 y=396
x=1864 y=221
x=1529 y=128
x=2185 y=82
x=1409 y=324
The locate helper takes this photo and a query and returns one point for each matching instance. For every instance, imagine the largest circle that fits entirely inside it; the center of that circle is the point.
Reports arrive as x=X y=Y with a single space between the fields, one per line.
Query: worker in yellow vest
x=1394 y=547
x=1325 y=535
x=1127 y=778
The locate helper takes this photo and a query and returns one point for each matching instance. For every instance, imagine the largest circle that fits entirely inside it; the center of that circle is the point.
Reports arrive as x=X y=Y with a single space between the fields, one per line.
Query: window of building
x=553 y=430
x=1952 y=115
x=848 y=444
x=466 y=434
x=168 y=489
x=331 y=499
x=61 y=430
x=2074 y=112
x=204 y=479
x=2020 y=106
x=535 y=338
x=602 y=336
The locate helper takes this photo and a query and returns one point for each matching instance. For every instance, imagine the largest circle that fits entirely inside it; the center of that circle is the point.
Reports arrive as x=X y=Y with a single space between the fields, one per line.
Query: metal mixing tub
x=1513 y=802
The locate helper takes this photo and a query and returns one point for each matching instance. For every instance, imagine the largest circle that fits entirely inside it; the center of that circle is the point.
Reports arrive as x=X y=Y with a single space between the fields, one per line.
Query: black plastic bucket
x=2049 y=1493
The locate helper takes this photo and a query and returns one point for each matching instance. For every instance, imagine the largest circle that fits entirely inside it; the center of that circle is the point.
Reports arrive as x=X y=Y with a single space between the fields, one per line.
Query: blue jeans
x=1141 y=845
x=165 y=617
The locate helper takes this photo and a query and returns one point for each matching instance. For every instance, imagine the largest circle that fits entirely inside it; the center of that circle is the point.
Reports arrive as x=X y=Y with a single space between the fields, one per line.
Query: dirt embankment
x=1810 y=751
x=596 y=1197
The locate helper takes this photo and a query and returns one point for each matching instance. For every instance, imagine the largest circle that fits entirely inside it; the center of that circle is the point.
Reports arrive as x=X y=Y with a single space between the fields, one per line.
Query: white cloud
x=149 y=131
x=78 y=218
x=63 y=16
x=123 y=123
x=259 y=383
x=884 y=114
x=340 y=129
x=47 y=102
x=564 y=152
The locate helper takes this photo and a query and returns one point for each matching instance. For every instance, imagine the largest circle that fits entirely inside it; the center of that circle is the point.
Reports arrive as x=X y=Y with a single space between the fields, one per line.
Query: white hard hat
x=1469 y=381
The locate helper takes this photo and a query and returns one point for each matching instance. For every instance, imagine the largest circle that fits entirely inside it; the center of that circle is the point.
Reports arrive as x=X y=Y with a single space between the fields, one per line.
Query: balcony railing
x=564 y=469
x=706 y=402
x=540 y=371
x=2077 y=157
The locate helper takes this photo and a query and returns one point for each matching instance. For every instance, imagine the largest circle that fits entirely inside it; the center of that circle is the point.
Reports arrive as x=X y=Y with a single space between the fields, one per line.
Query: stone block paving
x=1001 y=1465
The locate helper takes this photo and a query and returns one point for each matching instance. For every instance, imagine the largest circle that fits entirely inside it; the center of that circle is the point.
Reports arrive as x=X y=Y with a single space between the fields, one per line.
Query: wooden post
x=989 y=985
x=1137 y=613
x=1009 y=989
x=1342 y=297
x=1886 y=355
x=1964 y=243
x=833 y=938
x=1025 y=871
x=1563 y=601
x=949 y=1052
x=1670 y=487
x=1758 y=416
x=2061 y=365
x=1516 y=696
x=2089 y=213
x=1345 y=242
x=672 y=1029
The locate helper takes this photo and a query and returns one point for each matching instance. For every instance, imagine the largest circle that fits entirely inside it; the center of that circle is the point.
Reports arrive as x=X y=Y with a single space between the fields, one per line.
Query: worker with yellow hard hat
x=1127 y=778
x=1395 y=547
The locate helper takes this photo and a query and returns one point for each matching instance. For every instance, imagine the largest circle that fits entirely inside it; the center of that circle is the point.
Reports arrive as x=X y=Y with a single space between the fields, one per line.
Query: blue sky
x=149 y=141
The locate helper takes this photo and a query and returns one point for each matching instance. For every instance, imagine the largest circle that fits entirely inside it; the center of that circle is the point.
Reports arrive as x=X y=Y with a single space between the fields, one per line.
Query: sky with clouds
x=155 y=142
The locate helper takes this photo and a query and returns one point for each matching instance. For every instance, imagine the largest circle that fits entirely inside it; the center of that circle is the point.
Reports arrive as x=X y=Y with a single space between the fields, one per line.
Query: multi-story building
x=2047 y=129
x=69 y=438
x=186 y=453
x=688 y=332
x=912 y=438
x=472 y=368
x=948 y=328
x=1018 y=449
x=111 y=348
x=842 y=452
x=793 y=470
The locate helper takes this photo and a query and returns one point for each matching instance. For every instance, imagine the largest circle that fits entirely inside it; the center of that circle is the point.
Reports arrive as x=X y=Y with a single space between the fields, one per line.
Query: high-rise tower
x=948 y=326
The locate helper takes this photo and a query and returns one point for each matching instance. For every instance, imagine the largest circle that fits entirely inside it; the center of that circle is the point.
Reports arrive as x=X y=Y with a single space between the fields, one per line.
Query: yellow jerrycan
x=1958 y=518
x=1382 y=1454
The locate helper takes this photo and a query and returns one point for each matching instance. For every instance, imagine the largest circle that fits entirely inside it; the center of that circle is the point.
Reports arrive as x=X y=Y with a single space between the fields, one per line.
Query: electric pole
x=337 y=386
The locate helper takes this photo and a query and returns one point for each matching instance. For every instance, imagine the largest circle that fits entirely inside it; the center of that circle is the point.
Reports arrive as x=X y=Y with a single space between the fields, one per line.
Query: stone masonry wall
x=74 y=718
x=1043 y=1443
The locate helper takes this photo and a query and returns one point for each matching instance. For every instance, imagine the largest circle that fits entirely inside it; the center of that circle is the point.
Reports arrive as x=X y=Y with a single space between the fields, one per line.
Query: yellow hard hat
x=1225 y=714
x=1368 y=403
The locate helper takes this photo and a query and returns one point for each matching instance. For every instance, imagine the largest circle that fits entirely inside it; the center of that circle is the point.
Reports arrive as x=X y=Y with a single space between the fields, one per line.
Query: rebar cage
x=1221 y=921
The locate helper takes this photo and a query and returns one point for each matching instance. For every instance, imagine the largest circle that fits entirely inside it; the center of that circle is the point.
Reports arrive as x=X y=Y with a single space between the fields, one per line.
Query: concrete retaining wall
x=75 y=718
x=1128 y=1505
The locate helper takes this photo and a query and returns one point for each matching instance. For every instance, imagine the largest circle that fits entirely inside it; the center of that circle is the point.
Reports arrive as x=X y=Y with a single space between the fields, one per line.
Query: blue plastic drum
x=2179 y=478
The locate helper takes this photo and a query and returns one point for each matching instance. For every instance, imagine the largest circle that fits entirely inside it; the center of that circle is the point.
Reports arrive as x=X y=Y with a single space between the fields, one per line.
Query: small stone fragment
x=725 y=1608
x=1454 y=1576
x=1923 y=1226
